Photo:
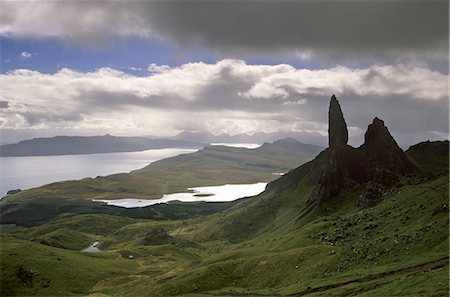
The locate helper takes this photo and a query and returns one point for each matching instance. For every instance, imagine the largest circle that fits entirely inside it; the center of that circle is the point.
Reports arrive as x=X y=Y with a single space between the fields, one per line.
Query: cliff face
x=379 y=162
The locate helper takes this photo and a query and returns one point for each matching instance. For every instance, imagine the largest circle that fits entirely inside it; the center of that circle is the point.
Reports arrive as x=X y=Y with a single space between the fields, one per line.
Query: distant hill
x=291 y=144
x=259 y=137
x=73 y=145
x=430 y=157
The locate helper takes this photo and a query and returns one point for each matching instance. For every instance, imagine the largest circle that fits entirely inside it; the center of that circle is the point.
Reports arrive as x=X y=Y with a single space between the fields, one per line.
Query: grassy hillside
x=274 y=244
x=430 y=157
x=399 y=247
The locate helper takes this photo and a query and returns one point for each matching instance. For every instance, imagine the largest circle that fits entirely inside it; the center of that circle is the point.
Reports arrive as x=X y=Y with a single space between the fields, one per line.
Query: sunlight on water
x=28 y=172
x=244 y=145
x=93 y=248
x=208 y=194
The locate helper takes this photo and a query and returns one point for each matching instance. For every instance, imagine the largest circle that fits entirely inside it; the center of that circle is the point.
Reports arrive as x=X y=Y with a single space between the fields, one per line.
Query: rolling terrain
x=212 y=165
x=367 y=221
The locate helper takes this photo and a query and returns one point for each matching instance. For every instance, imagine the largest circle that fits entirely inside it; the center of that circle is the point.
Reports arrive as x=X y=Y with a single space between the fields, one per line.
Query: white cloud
x=158 y=68
x=132 y=68
x=265 y=90
x=296 y=102
x=228 y=96
x=25 y=56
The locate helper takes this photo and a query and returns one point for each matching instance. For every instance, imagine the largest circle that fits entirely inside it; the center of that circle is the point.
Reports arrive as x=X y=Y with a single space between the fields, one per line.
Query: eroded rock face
x=383 y=162
x=380 y=150
x=331 y=175
x=337 y=128
x=379 y=187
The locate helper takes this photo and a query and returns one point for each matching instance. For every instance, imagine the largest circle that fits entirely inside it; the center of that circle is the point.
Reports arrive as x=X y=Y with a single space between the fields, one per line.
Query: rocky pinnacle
x=382 y=151
x=337 y=128
x=378 y=135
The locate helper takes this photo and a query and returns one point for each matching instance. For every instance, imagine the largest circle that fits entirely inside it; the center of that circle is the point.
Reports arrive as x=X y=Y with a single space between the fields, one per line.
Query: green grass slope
x=274 y=244
x=396 y=248
x=29 y=268
x=347 y=251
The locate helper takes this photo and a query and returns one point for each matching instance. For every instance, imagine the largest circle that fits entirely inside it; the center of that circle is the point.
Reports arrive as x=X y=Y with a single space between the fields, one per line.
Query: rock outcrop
x=378 y=163
x=12 y=192
x=337 y=128
x=384 y=162
x=380 y=150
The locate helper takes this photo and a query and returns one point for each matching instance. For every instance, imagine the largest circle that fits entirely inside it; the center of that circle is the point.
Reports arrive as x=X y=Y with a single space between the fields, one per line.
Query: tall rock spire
x=337 y=128
x=334 y=160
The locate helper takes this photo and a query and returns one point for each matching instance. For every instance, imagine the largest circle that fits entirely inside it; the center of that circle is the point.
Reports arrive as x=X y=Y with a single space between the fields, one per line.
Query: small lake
x=29 y=172
x=93 y=248
x=244 y=145
x=209 y=194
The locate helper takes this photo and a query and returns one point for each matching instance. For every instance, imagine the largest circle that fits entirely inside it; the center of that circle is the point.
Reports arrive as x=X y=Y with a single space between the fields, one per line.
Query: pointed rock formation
x=378 y=163
x=381 y=151
x=378 y=133
x=383 y=161
x=374 y=169
x=337 y=128
x=333 y=169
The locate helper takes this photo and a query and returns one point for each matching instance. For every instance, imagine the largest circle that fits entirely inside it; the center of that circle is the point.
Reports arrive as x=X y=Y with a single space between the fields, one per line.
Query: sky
x=162 y=67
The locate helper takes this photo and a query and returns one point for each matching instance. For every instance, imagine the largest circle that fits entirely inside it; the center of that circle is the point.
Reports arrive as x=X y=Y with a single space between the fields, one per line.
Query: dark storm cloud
x=222 y=93
x=339 y=28
x=4 y=104
x=335 y=30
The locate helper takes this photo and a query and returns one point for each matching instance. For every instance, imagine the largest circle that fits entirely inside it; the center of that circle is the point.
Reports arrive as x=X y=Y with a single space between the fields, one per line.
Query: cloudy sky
x=161 y=67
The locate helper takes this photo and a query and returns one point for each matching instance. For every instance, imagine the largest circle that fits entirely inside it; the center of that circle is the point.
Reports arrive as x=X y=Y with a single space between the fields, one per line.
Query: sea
x=29 y=172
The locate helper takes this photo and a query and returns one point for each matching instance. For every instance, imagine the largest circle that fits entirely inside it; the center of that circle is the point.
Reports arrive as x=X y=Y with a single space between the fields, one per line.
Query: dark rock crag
x=384 y=163
x=337 y=128
x=380 y=149
x=379 y=162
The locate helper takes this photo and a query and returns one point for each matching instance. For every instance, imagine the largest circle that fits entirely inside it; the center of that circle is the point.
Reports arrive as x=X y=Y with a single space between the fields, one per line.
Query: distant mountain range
x=72 y=145
x=260 y=137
